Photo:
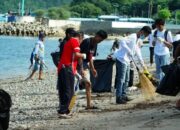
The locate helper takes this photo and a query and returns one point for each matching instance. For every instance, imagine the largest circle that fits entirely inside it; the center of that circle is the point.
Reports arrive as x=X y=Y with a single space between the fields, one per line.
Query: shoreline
x=57 y=37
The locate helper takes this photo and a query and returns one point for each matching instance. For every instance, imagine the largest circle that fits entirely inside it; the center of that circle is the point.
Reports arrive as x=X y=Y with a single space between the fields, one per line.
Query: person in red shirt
x=67 y=70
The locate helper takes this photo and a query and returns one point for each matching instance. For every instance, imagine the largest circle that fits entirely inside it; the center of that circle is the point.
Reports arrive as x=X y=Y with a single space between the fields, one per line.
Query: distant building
x=132 y=19
x=11 y=16
x=27 y=19
x=83 y=19
x=140 y=20
x=108 y=18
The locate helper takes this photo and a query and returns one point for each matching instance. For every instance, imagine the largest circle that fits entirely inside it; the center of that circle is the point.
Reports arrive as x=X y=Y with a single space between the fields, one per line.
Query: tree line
x=30 y=5
x=63 y=9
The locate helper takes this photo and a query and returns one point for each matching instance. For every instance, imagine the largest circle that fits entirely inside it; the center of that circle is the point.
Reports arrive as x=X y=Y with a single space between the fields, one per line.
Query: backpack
x=61 y=46
x=165 y=34
x=56 y=55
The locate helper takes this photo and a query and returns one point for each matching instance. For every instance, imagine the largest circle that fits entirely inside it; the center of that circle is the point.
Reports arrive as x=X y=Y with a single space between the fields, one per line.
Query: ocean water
x=15 y=53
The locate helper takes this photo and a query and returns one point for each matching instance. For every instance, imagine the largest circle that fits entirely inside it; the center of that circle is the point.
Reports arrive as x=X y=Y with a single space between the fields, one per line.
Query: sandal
x=92 y=107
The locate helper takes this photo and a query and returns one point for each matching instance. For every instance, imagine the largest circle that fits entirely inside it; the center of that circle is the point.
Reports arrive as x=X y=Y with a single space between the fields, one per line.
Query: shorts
x=38 y=64
x=85 y=79
x=87 y=74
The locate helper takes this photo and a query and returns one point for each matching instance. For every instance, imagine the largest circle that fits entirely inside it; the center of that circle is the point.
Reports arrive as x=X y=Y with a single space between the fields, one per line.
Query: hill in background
x=30 y=5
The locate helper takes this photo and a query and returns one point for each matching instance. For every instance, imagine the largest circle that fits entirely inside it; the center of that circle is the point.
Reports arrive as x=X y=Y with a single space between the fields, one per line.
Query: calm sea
x=15 y=53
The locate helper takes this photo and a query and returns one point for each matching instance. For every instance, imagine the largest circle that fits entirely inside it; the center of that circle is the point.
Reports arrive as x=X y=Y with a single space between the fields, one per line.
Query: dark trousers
x=151 y=54
x=65 y=88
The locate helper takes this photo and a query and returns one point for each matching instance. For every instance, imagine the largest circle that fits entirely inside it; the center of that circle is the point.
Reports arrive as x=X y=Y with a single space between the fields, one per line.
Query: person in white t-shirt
x=162 y=42
x=38 y=56
x=123 y=57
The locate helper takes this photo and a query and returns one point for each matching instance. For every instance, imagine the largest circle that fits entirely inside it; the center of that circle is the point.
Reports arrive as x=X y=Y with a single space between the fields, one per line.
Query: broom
x=73 y=103
x=146 y=86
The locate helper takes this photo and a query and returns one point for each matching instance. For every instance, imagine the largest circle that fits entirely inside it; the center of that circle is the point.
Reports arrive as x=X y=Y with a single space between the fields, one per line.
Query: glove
x=160 y=39
x=84 y=55
x=146 y=72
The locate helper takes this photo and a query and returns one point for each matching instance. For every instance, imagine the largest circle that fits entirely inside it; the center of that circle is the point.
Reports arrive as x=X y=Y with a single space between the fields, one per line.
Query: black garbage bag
x=170 y=84
x=55 y=57
x=104 y=80
x=5 y=104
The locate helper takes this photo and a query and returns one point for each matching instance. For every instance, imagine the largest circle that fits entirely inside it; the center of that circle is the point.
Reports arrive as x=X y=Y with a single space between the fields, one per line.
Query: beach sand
x=35 y=105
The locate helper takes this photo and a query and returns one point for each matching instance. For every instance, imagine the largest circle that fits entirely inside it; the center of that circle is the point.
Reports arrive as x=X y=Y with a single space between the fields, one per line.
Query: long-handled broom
x=147 y=88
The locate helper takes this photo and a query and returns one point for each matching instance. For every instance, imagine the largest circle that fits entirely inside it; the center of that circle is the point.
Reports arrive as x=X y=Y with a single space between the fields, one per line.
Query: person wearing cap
x=38 y=57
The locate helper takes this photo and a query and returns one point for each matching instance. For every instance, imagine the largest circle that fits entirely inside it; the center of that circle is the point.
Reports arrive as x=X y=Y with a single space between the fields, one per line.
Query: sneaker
x=91 y=107
x=120 y=101
x=127 y=99
x=133 y=88
x=65 y=116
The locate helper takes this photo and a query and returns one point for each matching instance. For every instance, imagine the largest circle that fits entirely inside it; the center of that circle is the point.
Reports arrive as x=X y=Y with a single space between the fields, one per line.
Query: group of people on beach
x=76 y=58
x=77 y=54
